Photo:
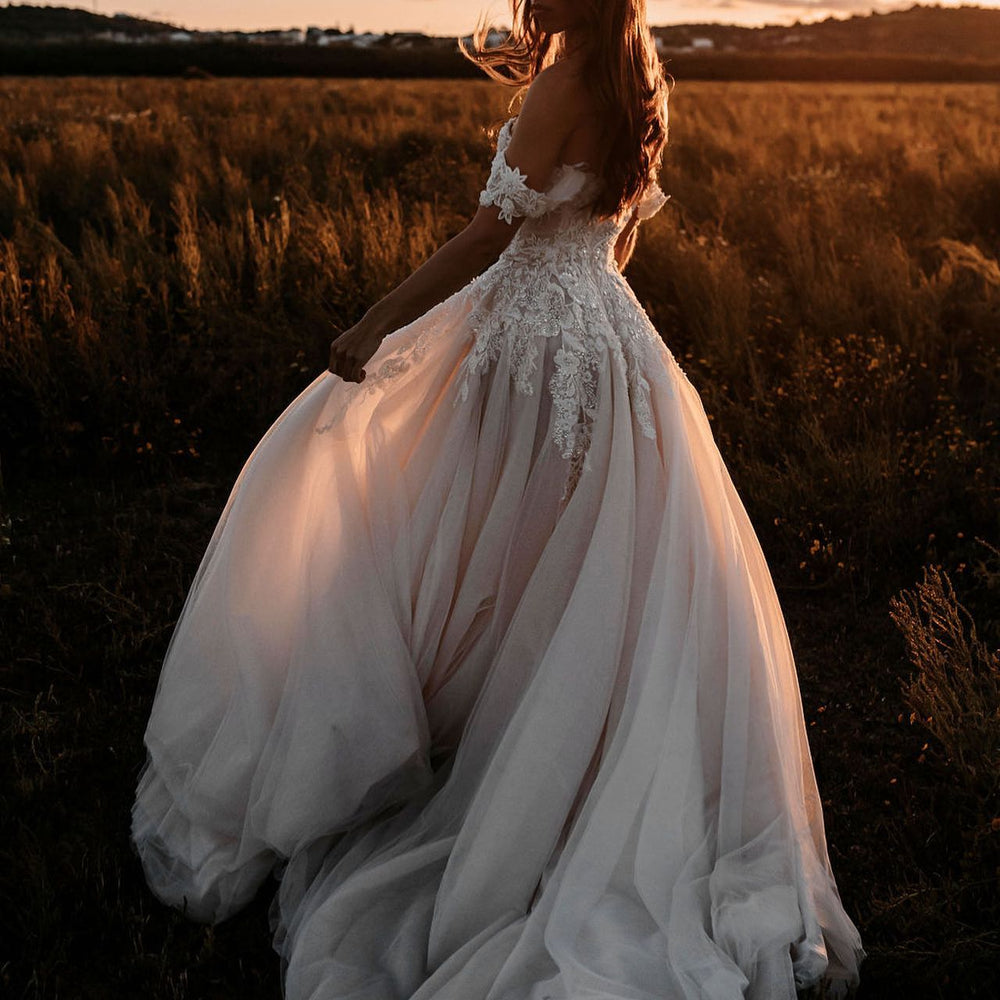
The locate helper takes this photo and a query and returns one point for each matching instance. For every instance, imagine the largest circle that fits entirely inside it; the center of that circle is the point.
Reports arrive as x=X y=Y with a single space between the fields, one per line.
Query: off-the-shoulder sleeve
x=651 y=201
x=507 y=187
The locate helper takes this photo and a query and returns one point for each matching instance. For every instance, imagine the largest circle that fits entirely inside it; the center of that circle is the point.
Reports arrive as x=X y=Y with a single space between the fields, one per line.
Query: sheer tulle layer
x=622 y=802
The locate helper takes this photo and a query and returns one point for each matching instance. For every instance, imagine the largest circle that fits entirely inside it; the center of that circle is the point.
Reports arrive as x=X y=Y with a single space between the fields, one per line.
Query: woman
x=484 y=659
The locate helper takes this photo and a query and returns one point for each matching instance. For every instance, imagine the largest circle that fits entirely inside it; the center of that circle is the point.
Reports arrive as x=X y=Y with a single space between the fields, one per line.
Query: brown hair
x=625 y=76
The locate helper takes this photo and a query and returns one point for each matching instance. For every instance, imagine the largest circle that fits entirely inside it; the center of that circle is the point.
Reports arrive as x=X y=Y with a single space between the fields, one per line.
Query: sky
x=457 y=17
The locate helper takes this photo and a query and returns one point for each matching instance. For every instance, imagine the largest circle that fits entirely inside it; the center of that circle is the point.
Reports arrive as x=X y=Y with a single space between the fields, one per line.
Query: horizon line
x=887 y=9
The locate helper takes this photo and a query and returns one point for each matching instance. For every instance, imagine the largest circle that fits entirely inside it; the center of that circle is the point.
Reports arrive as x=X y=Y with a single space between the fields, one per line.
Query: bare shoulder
x=549 y=116
x=554 y=102
x=559 y=80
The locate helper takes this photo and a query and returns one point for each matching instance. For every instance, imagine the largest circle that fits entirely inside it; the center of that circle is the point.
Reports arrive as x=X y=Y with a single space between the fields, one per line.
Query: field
x=175 y=257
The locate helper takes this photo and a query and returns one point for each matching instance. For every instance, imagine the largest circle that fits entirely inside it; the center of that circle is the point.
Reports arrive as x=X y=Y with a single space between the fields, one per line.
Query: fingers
x=346 y=364
x=351 y=350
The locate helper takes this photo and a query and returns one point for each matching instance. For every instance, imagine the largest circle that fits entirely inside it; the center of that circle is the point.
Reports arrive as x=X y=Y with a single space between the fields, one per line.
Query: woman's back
x=588 y=125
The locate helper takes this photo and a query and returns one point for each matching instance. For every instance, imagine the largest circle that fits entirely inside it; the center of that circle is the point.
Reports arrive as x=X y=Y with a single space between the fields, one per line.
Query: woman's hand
x=354 y=347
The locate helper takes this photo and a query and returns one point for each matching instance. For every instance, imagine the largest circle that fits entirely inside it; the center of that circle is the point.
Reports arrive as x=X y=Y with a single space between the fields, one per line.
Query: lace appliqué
x=574 y=385
x=507 y=187
x=557 y=278
x=652 y=200
x=375 y=380
x=540 y=290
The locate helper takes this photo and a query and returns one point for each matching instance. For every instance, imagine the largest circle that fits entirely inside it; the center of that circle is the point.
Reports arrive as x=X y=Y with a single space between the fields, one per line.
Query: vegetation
x=230 y=59
x=174 y=260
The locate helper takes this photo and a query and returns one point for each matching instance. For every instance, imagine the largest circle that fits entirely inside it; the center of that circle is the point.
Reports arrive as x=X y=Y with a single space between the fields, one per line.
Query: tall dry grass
x=175 y=257
x=830 y=269
x=956 y=692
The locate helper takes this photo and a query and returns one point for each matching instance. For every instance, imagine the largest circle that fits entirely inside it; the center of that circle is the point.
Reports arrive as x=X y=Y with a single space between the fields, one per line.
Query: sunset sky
x=455 y=17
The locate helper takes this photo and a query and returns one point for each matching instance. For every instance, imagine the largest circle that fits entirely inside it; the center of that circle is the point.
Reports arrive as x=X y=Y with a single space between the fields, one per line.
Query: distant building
x=294 y=36
x=682 y=43
x=494 y=37
x=366 y=40
x=407 y=40
x=119 y=37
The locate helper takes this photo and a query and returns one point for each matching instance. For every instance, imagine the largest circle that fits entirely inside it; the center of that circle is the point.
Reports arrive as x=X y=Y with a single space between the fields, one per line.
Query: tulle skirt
x=507 y=729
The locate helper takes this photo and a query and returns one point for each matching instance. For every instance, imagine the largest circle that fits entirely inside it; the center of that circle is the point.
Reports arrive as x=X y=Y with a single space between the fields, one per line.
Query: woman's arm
x=539 y=133
x=650 y=202
x=451 y=267
x=625 y=243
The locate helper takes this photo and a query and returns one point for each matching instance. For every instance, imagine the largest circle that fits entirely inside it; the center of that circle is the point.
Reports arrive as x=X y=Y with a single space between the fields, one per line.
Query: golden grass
x=175 y=257
x=956 y=692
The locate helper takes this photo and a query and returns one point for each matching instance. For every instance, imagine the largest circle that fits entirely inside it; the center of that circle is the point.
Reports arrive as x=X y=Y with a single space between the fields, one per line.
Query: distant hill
x=27 y=23
x=933 y=32
x=921 y=43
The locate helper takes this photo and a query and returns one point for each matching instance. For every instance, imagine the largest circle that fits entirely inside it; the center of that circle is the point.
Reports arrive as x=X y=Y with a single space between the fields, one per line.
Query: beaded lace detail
x=558 y=277
x=507 y=188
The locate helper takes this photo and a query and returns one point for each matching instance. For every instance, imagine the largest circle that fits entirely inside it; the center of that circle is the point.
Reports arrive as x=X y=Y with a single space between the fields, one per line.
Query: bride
x=483 y=659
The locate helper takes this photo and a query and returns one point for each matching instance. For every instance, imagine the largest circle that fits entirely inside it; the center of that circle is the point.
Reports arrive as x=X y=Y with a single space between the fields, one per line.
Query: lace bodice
x=556 y=278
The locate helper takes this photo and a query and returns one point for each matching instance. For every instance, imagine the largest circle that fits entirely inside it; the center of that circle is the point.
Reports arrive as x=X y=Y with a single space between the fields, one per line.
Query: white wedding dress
x=485 y=662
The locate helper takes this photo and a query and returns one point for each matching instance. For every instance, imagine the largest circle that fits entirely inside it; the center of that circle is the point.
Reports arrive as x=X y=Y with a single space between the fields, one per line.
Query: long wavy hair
x=623 y=70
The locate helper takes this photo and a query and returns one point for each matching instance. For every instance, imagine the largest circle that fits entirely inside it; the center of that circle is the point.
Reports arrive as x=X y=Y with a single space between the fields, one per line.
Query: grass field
x=175 y=257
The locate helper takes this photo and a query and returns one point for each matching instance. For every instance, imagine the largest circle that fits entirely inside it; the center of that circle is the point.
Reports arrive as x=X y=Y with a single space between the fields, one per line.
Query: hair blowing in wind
x=623 y=70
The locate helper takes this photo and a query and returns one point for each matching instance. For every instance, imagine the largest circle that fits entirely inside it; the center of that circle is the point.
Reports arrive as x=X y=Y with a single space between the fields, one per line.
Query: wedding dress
x=485 y=662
